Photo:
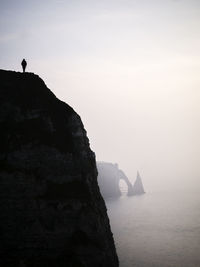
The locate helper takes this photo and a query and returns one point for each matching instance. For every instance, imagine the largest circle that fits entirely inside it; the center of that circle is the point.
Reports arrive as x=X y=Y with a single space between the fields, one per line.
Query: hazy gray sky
x=129 y=68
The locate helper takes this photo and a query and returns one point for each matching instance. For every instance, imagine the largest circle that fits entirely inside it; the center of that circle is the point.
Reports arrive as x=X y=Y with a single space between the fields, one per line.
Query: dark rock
x=51 y=210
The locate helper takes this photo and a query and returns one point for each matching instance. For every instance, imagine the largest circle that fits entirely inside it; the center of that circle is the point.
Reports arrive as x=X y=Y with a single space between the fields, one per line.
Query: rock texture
x=51 y=210
x=109 y=176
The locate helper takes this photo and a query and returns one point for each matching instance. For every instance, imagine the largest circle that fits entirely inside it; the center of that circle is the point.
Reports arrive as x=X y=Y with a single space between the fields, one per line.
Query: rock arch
x=109 y=176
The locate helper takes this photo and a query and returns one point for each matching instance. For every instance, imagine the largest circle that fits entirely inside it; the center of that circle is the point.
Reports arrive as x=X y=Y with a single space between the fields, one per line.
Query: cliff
x=108 y=180
x=51 y=210
x=109 y=176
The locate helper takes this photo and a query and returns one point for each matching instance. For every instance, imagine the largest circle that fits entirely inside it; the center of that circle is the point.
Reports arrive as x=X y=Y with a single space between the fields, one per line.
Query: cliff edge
x=51 y=210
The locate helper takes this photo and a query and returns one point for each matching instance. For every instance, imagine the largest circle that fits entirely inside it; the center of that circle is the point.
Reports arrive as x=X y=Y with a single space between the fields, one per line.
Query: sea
x=156 y=229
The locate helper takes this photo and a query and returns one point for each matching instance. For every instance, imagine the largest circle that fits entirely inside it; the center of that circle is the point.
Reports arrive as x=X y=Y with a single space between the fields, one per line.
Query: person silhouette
x=24 y=64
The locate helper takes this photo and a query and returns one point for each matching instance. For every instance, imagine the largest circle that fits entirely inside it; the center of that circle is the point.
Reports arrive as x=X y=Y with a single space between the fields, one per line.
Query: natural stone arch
x=123 y=177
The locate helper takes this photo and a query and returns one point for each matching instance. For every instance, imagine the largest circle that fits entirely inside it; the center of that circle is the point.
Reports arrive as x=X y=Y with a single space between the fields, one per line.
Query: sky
x=130 y=69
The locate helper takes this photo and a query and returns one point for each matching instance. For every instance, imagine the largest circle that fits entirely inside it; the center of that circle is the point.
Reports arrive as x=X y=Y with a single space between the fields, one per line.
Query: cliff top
x=25 y=98
x=19 y=87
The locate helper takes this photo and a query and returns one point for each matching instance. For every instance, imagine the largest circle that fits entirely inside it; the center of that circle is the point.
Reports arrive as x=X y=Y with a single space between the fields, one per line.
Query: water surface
x=157 y=229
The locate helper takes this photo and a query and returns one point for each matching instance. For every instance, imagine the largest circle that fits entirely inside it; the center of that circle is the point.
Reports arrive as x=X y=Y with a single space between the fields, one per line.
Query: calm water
x=157 y=229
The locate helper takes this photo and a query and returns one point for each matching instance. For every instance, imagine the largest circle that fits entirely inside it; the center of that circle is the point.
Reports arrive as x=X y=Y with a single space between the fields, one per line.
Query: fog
x=129 y=68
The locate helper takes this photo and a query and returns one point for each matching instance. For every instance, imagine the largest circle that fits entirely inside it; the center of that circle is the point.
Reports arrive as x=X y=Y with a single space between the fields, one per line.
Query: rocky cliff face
x=51 y=210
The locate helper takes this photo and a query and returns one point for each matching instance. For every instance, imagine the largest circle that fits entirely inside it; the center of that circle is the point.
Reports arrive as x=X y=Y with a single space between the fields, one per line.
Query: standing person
x=24 y=64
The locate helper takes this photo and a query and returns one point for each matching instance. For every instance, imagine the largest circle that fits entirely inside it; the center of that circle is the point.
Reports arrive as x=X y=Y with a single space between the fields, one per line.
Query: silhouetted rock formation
x=138 y=188
x=51 y=210
x=108 y=179
x=109 y=176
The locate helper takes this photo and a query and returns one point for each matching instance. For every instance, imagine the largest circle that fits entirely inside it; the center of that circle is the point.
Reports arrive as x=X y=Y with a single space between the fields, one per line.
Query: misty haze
x=130 y=69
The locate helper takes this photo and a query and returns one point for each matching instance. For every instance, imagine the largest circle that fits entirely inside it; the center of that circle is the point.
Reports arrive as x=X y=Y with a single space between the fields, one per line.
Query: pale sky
x=131 y=69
